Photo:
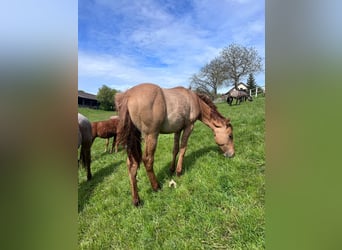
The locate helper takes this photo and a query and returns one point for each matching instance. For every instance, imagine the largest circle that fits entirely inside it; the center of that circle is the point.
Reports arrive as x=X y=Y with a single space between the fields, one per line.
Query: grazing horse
x=85 y=141
x=239 y=95
x=150 y=110
x=106 y=129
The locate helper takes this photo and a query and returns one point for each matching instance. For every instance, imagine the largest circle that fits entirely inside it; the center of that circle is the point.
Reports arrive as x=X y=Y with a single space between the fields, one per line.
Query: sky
x=124 y=43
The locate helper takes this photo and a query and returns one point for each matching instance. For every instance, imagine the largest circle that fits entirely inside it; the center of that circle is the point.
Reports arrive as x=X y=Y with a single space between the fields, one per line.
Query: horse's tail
x=86 y=143
x=128 y=133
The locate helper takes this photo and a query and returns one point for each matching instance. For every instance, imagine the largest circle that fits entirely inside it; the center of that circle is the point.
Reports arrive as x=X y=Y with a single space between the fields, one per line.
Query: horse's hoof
x=156 y=188
x=179 y=173
x=136 y=202
x=89 y=177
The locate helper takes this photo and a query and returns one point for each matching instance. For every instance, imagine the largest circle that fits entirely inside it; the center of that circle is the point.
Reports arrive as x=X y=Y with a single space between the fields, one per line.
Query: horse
x=106 y=129
x=85 y=141
x=151 y=110
x=239 y=95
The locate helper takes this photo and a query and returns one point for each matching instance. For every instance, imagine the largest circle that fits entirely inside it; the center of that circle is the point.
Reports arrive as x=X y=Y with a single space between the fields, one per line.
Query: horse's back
x=154 y=109
x=182 y=108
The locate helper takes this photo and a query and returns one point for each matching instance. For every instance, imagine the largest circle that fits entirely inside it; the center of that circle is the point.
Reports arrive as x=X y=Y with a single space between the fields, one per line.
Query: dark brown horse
x=239 y=95
x=85 y=141
x=106 y=129
x=149 y=110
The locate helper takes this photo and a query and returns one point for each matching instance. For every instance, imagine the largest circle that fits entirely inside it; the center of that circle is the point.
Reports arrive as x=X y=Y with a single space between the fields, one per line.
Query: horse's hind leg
x=116 y=146
x=148 y=159
x=132 y=166
x=87 y=159
x=175 y=151
x=186 y=133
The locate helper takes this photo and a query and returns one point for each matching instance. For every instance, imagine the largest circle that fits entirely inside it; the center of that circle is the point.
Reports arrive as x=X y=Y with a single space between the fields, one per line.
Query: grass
x=219 y=203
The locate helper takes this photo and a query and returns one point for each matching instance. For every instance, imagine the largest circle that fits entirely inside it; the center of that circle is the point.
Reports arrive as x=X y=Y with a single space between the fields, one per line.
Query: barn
x=87 y=100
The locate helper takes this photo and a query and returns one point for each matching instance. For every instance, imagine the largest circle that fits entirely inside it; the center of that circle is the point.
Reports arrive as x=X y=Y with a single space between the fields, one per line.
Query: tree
x=251 y=82
x=105 y=96
x=210 y=77
x=239 y=61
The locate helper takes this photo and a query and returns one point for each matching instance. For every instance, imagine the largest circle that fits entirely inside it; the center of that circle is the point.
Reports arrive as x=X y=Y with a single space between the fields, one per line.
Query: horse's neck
x=206 y=116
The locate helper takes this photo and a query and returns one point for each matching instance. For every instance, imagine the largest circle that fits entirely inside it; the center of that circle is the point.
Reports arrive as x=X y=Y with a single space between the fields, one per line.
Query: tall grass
x=218 y=203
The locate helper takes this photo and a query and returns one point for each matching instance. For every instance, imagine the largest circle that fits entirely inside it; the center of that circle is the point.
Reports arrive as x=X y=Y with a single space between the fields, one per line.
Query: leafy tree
x=240 y=61
x=251 y=81
x=210 y=77
x=105 y=96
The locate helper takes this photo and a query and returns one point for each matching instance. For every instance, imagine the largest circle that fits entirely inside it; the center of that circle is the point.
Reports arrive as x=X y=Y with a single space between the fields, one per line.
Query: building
x=87 y=100
x=241 y=86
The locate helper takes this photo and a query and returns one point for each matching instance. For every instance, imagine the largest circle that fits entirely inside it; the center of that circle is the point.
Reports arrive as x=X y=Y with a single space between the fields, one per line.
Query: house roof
x=239 y=85
x=85 y=95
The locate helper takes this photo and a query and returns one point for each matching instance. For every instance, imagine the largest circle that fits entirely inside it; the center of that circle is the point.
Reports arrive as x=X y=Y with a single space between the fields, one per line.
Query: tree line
x=234 y=63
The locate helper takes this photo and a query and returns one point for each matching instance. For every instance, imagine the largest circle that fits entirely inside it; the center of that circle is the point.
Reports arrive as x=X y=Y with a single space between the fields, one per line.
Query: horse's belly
x=172 y=124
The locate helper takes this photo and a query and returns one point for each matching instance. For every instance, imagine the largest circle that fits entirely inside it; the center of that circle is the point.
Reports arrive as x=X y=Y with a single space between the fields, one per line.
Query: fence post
x=256 y=92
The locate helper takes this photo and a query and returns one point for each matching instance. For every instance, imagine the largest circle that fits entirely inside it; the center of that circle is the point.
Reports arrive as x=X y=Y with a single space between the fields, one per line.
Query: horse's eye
x=230 y=137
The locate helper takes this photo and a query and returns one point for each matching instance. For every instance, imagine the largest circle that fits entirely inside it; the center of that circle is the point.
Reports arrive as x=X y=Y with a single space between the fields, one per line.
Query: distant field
x=219 y=203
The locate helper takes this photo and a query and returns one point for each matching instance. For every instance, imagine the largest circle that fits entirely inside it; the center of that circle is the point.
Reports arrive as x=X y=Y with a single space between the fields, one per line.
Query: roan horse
x=106 y=129
x=239 y=95
x=85 y=141
x=149 y=110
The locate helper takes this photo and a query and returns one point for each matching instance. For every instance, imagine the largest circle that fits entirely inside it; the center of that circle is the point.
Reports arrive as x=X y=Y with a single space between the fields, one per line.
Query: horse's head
x=223 y=132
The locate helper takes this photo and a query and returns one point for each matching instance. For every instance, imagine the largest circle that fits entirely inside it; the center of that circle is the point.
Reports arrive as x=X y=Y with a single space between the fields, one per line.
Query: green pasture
x=219 y=203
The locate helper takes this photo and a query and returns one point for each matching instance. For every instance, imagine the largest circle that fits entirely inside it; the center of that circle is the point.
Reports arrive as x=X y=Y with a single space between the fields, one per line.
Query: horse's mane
x=214 y=114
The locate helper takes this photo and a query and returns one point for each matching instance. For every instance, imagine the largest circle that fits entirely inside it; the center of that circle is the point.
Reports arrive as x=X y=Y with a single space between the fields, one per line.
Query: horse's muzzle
x=229 y=155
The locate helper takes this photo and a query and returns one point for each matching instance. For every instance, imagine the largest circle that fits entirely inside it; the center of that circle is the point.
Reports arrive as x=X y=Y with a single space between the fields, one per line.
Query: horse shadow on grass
x=86 y=188
x=189 y=162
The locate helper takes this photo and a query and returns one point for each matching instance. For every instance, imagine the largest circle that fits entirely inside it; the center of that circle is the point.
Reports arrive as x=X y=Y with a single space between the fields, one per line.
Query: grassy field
x=218 y=203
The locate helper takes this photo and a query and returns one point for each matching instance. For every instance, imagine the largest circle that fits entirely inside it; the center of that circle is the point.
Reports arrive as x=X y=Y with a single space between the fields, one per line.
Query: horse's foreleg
x=114 y=143
x=107 y=143
x=133 y=166
x=148 y=159
x=186 y=133
x=175 y=151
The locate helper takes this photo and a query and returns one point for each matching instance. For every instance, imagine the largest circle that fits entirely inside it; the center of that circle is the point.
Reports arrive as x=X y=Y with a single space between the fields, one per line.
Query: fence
x=257 y=90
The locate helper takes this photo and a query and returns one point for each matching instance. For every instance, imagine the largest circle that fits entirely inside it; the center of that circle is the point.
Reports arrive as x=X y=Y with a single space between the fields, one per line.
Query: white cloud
x=138 y=41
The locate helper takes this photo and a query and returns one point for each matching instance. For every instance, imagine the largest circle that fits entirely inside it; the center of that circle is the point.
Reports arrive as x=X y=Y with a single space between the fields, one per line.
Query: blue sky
x=124 y=43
